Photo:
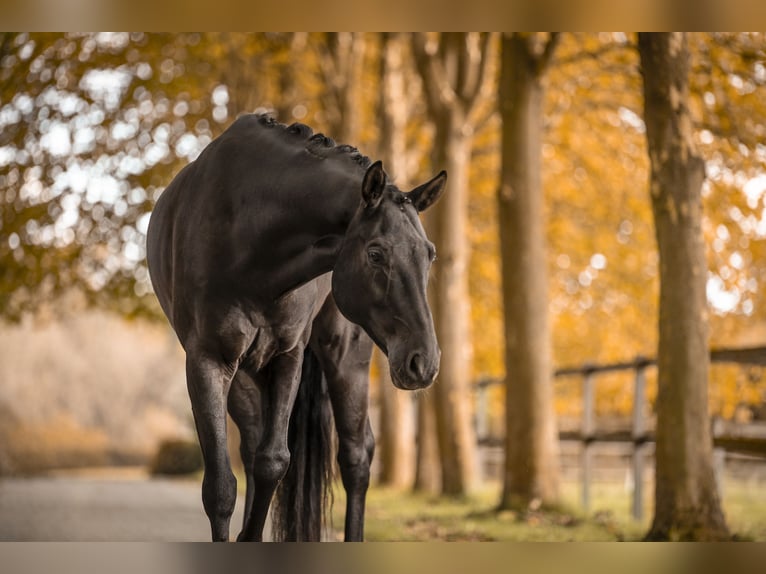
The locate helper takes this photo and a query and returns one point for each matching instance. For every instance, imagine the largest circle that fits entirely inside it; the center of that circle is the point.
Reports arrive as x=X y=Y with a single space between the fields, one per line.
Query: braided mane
x=316 y=144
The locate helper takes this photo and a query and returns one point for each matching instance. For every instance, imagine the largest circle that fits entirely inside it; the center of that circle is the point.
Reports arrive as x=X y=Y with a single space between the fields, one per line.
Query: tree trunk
x=396 y=445
x=453 y=69
x=531 y=470
x=428 y=474
x=687 y=505
x=397 y=441
x=450 y=304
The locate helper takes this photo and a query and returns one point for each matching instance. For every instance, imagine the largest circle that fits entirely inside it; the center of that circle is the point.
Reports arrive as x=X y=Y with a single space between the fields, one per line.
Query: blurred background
x=94 y=126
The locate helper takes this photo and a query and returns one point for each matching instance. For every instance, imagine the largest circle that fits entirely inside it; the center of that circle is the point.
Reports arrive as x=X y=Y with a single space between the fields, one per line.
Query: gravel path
x=104 y=506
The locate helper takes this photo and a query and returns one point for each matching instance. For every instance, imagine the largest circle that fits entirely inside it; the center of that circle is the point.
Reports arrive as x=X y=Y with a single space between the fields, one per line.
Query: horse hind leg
x=272 y=456
x=245 y=411
x=208 y=381
x=344 y=351
x=355 y=452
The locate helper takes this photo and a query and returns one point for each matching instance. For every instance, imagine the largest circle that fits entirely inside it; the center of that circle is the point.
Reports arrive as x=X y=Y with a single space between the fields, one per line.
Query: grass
x=395 y=515
x=403 y=516
x=745 y=508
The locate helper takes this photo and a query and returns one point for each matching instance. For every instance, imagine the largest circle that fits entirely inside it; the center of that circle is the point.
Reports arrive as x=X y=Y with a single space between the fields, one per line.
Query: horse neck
x=314 y=232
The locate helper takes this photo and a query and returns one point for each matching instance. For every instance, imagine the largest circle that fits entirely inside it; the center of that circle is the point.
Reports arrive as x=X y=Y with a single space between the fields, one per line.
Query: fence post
x=719 y=465
x=586 y=436
x=482 y=410
x=639 y=398
x=719 y=454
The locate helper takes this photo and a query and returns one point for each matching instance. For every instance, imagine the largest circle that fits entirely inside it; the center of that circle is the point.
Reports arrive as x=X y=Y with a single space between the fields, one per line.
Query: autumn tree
x=93 y=127
x=687 y=504
x=453 y=68
x=531 y=443
x=396 y=445
x=602 y=255
x=67 y=189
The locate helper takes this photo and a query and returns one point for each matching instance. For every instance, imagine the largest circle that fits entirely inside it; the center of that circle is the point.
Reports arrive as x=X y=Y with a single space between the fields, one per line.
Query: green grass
x=403 y=516
x=394 y=515
x=745 y=508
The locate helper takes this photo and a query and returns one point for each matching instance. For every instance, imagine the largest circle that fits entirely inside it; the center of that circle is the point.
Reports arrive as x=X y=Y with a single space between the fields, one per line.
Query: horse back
x=223 y=225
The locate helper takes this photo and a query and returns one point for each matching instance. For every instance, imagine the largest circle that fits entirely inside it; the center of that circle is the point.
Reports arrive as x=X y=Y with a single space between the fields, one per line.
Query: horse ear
x=425 y=195
x=373 y=185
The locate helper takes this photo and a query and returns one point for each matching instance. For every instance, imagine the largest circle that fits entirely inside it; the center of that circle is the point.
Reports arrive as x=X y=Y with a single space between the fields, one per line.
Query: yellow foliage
x=602 y=256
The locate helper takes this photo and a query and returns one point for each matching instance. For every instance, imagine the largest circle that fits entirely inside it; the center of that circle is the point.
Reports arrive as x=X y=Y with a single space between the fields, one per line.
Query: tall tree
x=531 y=444
x=687 y=504
x=397 y=440
x=93 y=125
x=453 y=67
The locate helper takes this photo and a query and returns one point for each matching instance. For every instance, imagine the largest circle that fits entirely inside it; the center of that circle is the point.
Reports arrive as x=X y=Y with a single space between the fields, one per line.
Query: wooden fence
x=726 y=438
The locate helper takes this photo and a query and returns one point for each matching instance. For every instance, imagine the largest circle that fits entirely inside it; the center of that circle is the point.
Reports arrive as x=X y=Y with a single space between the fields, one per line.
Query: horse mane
x=317 y=144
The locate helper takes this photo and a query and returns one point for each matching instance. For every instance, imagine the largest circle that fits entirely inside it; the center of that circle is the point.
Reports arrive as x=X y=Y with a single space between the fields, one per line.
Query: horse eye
x=375 y=256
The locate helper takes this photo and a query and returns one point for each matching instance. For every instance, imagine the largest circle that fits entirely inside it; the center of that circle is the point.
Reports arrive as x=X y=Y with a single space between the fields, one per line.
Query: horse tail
x=304 y=497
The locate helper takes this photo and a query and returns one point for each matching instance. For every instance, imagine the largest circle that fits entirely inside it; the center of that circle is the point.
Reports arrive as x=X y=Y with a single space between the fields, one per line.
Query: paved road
x=116 y=506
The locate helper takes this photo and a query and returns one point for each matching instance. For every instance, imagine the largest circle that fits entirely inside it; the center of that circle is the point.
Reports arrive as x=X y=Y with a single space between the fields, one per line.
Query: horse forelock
x=401 y=199
x=401 y=214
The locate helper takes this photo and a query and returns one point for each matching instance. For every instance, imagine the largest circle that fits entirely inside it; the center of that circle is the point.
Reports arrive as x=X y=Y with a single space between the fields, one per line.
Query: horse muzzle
x=417 y=371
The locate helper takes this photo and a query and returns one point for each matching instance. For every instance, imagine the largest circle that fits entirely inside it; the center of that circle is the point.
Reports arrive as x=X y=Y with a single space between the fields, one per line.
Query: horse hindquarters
x=302 y=498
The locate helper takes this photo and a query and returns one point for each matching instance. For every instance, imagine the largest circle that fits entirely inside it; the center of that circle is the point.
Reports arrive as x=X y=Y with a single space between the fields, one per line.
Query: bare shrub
x=176 y=457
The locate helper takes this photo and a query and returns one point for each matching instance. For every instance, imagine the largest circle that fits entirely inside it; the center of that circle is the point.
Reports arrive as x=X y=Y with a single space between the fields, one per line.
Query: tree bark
x=687 y=504
x=531 y=470
x=396 y=446
x=450 y=303
x=453 y=69
x=428 y=471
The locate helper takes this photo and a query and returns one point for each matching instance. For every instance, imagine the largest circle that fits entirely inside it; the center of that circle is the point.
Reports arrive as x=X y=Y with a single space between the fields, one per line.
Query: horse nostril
x=417 y=365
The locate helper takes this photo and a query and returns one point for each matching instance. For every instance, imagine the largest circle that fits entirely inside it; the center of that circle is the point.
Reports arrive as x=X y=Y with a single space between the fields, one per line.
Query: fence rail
x=726 y=438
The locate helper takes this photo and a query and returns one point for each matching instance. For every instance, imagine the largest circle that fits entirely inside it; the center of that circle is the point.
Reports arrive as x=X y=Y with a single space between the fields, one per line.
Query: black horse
x=278 y=258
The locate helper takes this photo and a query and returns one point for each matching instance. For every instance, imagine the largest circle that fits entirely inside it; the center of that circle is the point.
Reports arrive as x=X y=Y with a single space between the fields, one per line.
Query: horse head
x=381 y=275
